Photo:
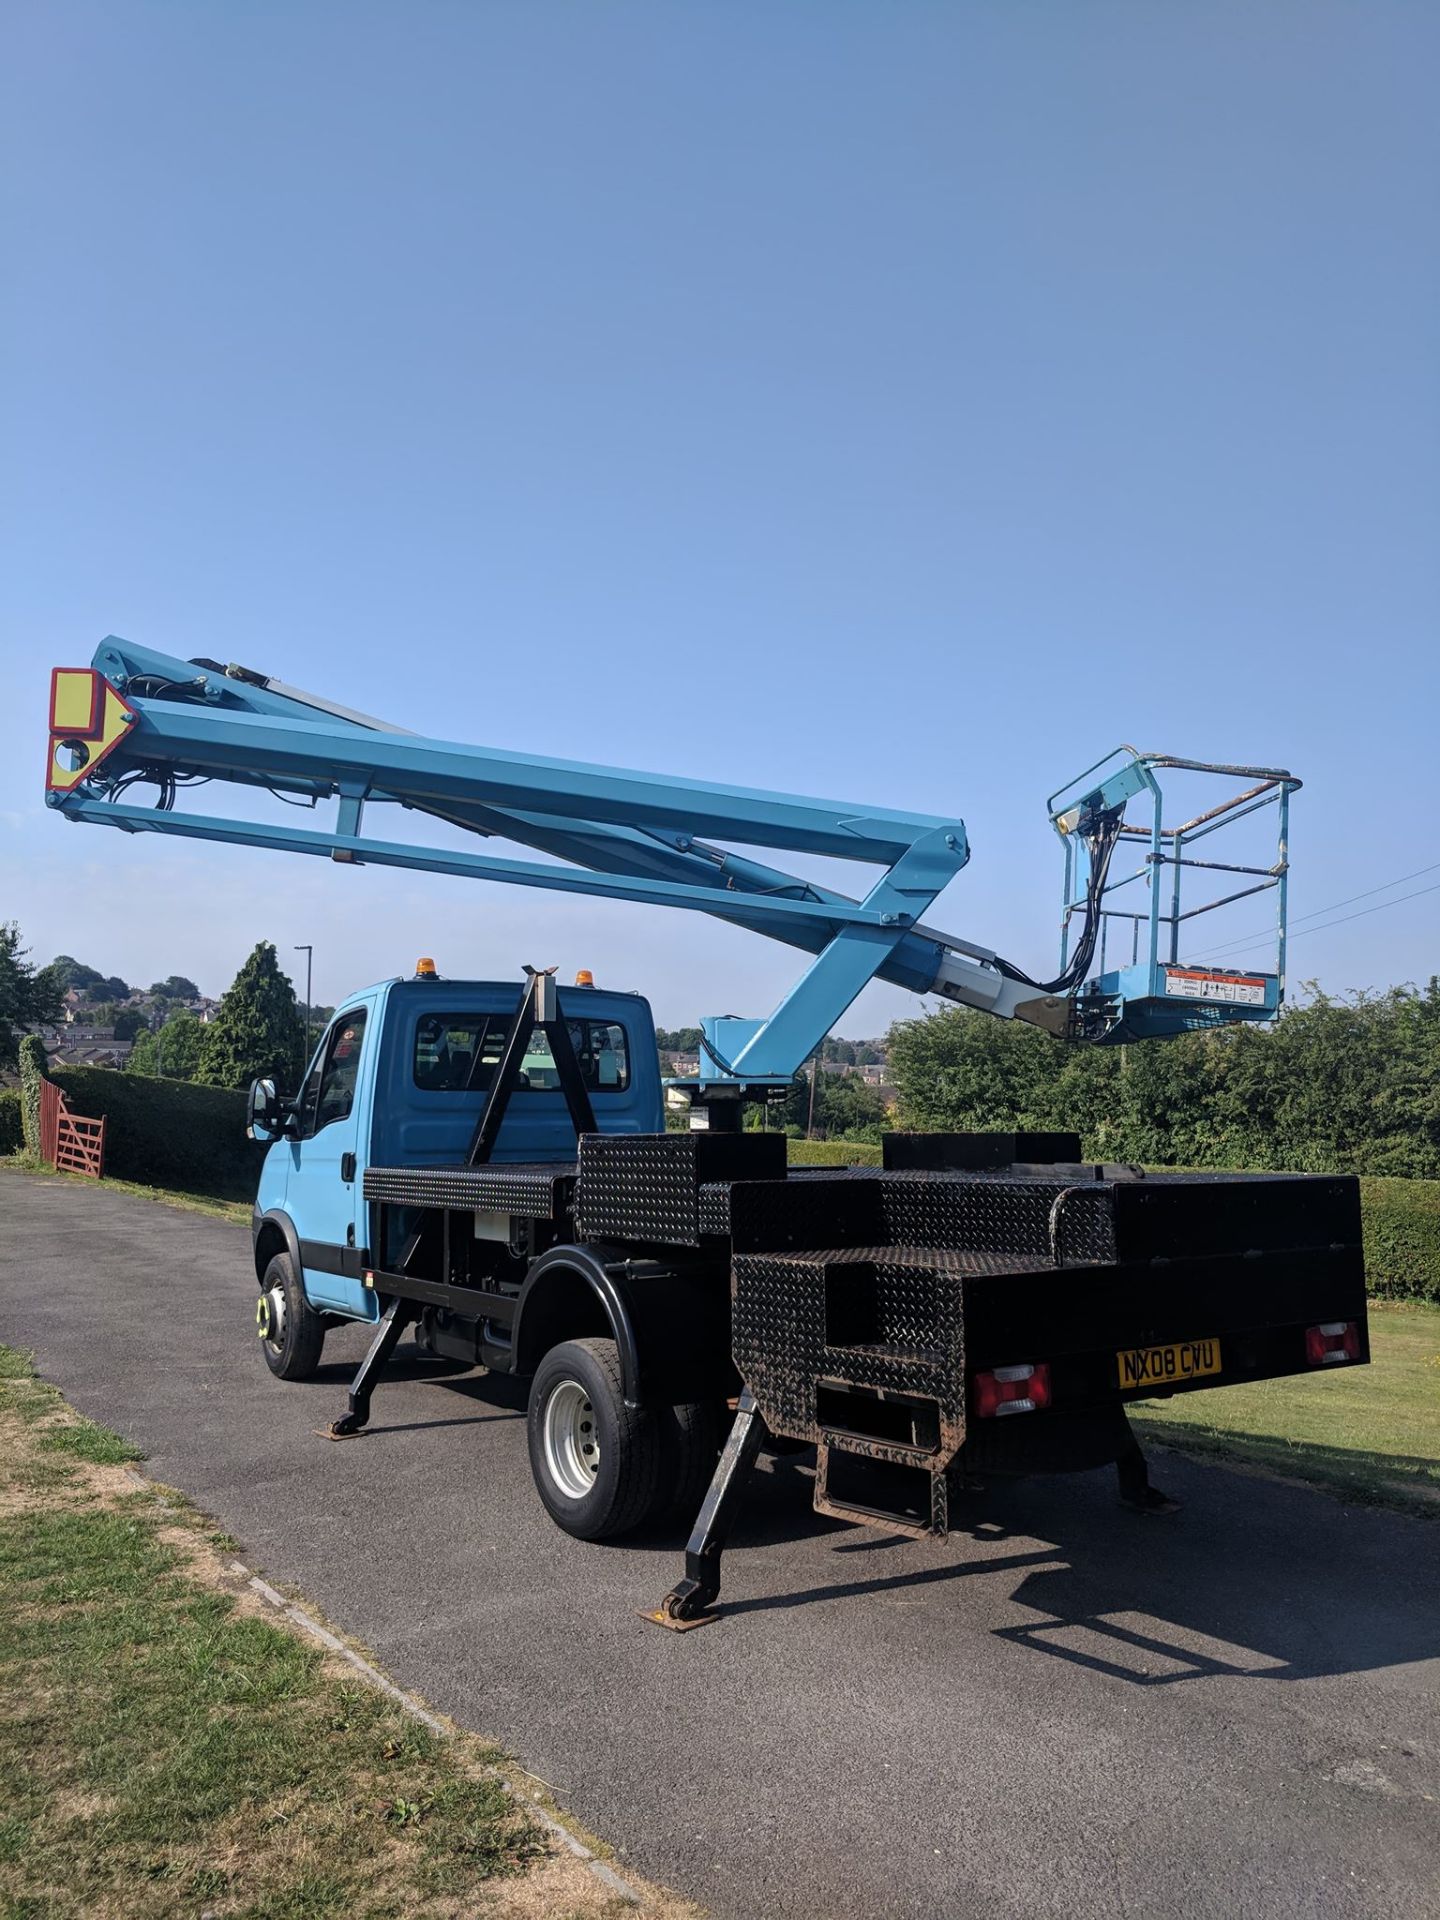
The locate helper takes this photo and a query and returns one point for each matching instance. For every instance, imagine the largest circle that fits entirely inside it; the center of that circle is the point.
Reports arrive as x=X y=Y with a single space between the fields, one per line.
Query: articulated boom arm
x=138 y=717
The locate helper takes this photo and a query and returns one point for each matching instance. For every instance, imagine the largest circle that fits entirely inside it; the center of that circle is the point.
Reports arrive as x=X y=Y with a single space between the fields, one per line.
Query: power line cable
x=1434 y=888
x=1245 y=940
x=1347 y=901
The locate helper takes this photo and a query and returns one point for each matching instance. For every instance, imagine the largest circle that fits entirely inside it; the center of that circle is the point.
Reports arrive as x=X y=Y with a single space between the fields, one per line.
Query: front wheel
x=292 y=1334
x=596 y=1462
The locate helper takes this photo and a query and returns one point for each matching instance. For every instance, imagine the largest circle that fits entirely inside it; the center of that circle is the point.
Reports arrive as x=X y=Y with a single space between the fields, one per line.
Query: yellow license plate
x=1168 y=1366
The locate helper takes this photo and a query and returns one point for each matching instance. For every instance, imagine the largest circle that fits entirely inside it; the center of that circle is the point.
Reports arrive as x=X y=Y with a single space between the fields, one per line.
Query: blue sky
x=905 y=402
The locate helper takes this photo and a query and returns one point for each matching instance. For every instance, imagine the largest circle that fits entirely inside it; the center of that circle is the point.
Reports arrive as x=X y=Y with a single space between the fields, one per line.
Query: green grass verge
x=235 y=1210
x=833 y=1153
x=1369 y=1433
x=164 y=1750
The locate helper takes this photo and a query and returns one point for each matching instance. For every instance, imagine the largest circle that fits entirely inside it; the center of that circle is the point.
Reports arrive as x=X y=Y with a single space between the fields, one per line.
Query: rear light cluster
x=1335 y=1341
x=1012 y=1390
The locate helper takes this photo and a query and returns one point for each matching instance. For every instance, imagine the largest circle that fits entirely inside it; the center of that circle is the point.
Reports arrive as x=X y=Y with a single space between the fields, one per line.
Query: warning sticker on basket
x=1240 y=989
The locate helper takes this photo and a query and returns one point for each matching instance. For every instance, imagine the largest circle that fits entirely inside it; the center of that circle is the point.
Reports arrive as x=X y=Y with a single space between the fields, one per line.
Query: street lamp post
x=309 y=953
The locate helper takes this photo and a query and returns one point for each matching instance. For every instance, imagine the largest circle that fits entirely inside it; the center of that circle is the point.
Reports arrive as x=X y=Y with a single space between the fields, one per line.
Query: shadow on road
x=497 y=1396
x=1216 y=1590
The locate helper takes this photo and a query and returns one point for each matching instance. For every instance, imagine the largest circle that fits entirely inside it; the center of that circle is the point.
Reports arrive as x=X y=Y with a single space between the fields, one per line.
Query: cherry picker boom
x=492 y=1169
x=637 y=836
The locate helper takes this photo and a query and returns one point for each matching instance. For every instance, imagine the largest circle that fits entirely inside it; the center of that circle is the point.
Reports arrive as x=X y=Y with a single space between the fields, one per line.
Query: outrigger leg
x=393 y=1322
x=1133 y=1472
x=690 y=1602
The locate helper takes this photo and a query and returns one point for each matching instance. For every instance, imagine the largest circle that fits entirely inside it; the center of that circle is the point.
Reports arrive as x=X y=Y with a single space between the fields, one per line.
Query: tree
x=678 y=1039
x=1336 y=1084
x=29 y=996
x=71 y=972
x=129 y=1022
x=180 y=1046
x=963 y=1072
x=844 y=1107
x=175 y=987
x=142 y=1054
x=848 y=1109
x=258 y=1031
x=174 y=1051
x=111 y=988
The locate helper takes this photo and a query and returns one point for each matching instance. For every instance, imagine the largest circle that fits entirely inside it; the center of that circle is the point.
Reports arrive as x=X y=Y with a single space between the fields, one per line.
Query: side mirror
x=265 y=1114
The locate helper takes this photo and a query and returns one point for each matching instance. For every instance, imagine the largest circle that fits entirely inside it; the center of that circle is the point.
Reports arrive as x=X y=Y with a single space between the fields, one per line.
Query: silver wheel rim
x=274 y=1334
x=572 y=1440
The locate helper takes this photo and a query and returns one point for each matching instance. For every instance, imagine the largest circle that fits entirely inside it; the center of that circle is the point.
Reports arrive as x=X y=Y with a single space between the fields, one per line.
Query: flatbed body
x=860 y=1305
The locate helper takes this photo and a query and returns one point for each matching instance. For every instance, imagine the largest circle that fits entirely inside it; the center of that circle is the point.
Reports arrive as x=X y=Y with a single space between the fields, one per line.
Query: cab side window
x=334 y=1094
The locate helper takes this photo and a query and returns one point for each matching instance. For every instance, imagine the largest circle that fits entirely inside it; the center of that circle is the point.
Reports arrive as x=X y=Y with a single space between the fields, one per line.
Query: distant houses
x=79 y=1040
x=74 y=1045
x=681 y=1065
x=77 y=1008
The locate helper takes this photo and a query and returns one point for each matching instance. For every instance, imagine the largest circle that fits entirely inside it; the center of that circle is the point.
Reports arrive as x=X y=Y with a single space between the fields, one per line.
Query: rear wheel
x=598 y=1464
x=292 y=1334
x=694 y=1434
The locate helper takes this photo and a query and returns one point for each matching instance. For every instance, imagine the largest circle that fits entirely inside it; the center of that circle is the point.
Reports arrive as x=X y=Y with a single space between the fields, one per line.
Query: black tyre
x=693 y=1434
x=598 y=1464
x=292 y=1334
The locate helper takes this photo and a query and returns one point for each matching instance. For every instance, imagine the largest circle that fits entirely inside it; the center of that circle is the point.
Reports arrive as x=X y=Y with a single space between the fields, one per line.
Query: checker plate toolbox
x=527 y=1191
x=856 y=1310
x=862 y=1300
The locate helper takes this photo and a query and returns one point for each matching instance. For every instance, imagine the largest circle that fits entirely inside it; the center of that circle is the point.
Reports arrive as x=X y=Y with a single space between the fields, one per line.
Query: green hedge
x=33 y=1065
x=1402 y=1238
x=168 y=1133
x=1401 y=1221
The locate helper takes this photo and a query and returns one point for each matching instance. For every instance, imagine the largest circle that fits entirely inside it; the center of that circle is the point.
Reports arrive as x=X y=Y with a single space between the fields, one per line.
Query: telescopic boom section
x=136 y=717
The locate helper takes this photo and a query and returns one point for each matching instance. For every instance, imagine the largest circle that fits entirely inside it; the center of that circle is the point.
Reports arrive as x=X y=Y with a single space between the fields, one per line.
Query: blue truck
x=487 y=1165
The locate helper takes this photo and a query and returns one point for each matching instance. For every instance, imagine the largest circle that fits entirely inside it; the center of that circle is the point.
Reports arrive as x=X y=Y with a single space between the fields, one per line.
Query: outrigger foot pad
x=1136 y=1492
x=1151 y=1500
x=345 y=1428
x=674 y=1622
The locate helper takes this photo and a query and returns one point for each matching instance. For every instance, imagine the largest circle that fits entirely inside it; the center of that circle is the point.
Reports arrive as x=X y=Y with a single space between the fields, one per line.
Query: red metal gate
x=68 y=1140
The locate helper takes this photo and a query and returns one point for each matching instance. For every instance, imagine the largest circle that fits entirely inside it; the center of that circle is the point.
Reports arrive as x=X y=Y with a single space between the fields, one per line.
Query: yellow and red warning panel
x=88 y=719
x=1204 y=983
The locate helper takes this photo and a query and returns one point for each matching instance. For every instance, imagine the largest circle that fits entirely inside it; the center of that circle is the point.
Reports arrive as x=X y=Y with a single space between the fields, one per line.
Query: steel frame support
x=689 y=1602
x=393 y=1322
x=539 y=1007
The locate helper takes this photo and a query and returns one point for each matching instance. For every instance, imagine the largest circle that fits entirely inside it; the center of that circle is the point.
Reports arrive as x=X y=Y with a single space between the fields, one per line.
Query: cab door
x=323 y=1193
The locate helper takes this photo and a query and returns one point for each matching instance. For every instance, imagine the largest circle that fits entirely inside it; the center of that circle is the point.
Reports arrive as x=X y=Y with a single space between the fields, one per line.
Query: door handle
x=347 y=1166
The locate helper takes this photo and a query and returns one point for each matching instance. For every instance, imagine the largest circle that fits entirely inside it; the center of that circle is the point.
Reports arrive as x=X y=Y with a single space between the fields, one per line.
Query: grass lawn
x=1369 y=1433
x=169 y=1747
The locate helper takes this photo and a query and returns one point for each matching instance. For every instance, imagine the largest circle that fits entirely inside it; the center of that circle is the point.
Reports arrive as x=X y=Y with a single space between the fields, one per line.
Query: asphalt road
x=1064 y=1711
